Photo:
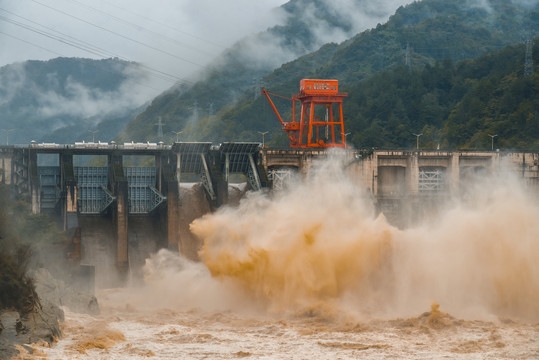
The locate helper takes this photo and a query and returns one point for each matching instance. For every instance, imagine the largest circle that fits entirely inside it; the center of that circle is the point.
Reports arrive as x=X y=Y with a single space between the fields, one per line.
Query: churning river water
x=312 y=273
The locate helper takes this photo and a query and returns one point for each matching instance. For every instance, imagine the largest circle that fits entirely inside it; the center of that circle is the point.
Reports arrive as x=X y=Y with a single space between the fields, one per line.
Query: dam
x=123 y=202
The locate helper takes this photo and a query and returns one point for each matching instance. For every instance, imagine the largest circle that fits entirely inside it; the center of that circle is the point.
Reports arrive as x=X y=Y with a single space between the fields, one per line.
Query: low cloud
x=268 y=50
x=83 y=101
x=174 y=37
x=39 y=105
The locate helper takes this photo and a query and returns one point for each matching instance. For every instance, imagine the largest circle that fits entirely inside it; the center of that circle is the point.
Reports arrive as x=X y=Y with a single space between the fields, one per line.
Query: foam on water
x=169 y=334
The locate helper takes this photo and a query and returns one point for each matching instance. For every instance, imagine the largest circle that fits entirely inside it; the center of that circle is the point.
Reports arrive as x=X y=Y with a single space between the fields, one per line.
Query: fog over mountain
x=174 y=44
x=68 y=97
x=225 y=105
x=173 y=38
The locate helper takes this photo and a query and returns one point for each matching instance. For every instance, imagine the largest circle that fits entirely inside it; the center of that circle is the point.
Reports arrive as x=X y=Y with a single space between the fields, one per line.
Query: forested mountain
x=389 y=71
x=63 y=99
x=452 y=105
x=430 y=37
x=416 y=56
x=307 y=25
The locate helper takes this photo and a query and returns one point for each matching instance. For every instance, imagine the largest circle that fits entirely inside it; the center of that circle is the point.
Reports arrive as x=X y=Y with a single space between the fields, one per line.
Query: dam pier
x=122 y=202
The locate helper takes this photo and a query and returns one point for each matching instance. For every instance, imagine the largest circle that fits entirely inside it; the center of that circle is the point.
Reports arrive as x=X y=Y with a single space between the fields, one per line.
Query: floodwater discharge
x=312 y=273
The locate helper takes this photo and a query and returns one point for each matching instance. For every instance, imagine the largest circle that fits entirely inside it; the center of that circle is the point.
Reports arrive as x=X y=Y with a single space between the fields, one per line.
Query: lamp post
x=7 y=131
x=263 y=137
x=492 y=141
x=93 y=134
x=177 y=134
x=417 y=140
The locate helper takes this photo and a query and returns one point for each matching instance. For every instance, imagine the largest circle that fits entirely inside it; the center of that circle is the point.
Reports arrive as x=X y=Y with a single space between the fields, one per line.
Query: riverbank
x=41 y=325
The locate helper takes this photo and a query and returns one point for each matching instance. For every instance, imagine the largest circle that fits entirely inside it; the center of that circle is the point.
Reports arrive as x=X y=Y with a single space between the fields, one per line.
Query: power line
x=63 y=55
x=167 y=26
x=77 y=44
x=138 y=27
x=119 y=35
x=28 y=42
x=81 y=45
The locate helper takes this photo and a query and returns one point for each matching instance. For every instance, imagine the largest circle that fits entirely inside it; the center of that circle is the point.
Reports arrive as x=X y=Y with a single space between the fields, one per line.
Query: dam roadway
x=122 y=202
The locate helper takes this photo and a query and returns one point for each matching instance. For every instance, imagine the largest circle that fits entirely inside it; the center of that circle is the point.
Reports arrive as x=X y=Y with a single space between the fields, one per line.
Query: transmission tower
x=195 y=112
x=257 y=85
x=528 y=61
x=210 y=109
x=159 y=128
x=407 y=60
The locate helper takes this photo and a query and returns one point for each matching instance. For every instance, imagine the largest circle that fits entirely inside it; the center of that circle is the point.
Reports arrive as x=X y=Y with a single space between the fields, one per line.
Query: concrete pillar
x=71 y=218
x=171 y=189
x=218 y=179
x=412 y=173
x=36 y=199
x=6 y=166
x=68 y=184
x=122 y=212
x=305 y=162
x=159 y=167
x=496 y=162
x=34 y=183
x=454 y=176
x=362 y=170
x=120 y=189
x=374 y=179
x=173 y=203
x=178 y=168
x=19 y=174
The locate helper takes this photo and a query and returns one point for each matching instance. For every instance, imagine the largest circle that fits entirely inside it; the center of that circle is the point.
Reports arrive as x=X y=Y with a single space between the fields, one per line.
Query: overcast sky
x=176 y=37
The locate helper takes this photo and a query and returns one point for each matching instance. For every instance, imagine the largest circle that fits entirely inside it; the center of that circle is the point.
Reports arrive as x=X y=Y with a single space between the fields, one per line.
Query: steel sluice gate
x=93 y=195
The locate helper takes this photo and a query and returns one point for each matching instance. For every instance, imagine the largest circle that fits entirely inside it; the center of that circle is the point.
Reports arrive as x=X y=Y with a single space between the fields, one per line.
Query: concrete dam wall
x=125 y=213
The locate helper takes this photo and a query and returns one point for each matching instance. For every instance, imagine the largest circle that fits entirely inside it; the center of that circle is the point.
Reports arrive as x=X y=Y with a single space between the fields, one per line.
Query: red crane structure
x=311 y=131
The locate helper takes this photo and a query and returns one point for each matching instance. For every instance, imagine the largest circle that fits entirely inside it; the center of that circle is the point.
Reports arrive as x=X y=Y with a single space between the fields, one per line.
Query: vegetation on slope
x=452 y=105
x=238 y=71
x=21 y=235
x=438 y=34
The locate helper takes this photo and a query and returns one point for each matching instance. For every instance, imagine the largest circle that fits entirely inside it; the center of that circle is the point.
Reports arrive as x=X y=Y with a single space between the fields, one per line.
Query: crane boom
x=290 y=128
x=265 y=92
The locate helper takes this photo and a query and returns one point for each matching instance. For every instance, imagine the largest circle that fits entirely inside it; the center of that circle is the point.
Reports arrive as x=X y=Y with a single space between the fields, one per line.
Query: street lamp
x=417 y=140
x=93 y=134
x=263 y=137
x=7 y=131
x=492 y=141
x=177 y=134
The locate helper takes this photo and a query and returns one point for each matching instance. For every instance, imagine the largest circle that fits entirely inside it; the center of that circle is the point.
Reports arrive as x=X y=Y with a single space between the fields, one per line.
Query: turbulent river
x=311 y=273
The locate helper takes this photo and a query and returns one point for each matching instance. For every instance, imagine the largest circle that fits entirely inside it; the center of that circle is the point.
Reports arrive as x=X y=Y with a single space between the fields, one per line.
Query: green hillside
x=237 y=71
x=452 y=105
x=429 y=36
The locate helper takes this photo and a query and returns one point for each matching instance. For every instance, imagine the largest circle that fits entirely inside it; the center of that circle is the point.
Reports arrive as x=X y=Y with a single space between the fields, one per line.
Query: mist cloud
x=42 y=104
x=10 y=82
x=320 y=243
x=268 y=50
x=82 y=101
x=181 y=36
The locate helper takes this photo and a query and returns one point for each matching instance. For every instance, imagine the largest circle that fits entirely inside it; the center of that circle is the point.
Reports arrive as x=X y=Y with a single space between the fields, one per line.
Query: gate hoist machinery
x=312 y=131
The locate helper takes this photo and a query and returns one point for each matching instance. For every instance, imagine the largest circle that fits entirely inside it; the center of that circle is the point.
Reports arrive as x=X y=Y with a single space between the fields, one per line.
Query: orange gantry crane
x=312 y=131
